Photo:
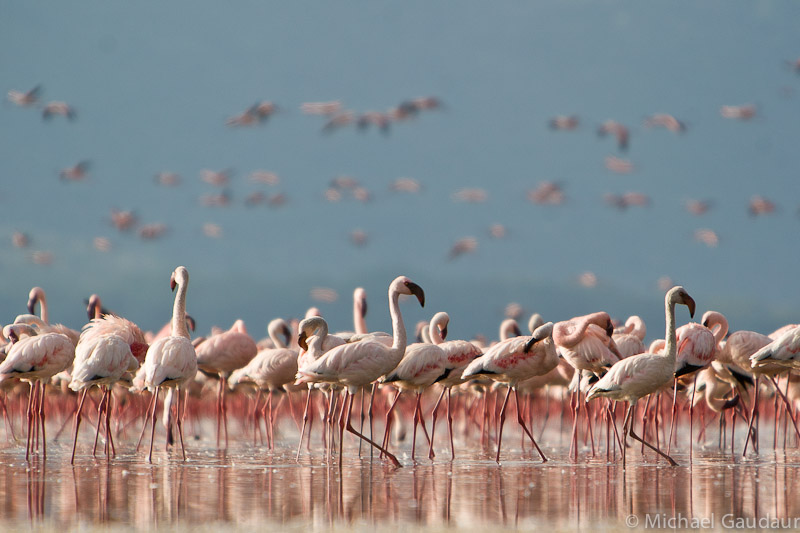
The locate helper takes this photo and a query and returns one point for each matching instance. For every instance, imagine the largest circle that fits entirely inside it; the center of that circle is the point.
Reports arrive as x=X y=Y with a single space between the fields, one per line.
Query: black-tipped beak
x=172 y=283
x=444 y=332
x=287 y=333
x=529 y=344
x=417 y=291
x=13 y=337
x=90 y=311
x=301 y=340
x=609 y=328
x=31 y=305
x=690 y=304
x=191 y=323
x=363 y=307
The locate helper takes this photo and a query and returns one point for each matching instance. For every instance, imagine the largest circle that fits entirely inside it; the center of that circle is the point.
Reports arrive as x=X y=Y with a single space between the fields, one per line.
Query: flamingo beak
x=363 y=308
x=301 y=340
x=191 y=323
x=172 y=283
x=287 y=334
x=610 y=328
x=417 y=291
x=31 y=305
x=689 y=301
x=444 y=332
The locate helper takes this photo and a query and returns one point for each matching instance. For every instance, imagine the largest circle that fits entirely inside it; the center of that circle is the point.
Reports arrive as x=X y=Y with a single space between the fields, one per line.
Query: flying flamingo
x=512 y=361
x=171 y=361
x=35 y=359
x=617 y=130
x=271 y=369
x=635 y=377
x=25 y=98
x=221 y=354
x=358 y=364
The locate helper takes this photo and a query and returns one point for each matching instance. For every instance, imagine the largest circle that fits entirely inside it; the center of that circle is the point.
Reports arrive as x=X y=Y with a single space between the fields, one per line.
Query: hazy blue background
x=154 y=82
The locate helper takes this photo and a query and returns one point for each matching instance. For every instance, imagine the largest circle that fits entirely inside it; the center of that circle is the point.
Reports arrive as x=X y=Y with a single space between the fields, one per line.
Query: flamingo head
x=360 y=296
x=678 y=295
x=403 y=285
x=180 y=276
x=35 y=296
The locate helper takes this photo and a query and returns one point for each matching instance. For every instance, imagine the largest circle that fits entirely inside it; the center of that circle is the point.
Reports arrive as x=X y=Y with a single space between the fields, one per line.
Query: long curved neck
x=570 y=338
x=179 y=328
x=671 y=346
x=398 y=328
x=359 y=322
x=275 y=334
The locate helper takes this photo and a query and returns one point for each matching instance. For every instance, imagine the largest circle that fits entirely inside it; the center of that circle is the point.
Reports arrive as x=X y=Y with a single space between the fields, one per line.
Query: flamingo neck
x=179 y=328
x=671 y=346
x=359 y=322
x=571 y=338
x=43 y=314
x=435 y=334
x=398 y=327
x=274 y=334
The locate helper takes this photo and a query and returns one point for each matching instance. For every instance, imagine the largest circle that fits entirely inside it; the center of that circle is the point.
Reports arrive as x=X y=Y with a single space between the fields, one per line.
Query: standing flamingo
x=630 y=338
x=271 y=369
x=512 y=361
x=109 y=347
x=358 y=364
x=586 y=343
x=633 y=378
x=171 y=361
x=460 y=353
x=221 y=354
x=35 y=359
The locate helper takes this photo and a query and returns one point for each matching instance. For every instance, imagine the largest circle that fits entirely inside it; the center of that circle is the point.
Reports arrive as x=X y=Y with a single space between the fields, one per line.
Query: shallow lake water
x=248 y=486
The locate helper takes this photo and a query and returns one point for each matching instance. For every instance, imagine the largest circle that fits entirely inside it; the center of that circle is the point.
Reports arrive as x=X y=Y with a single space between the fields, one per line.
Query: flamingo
x=171 y=361
x=37 y=296
x=630 y=339
x=221 y=354
x=421 y=366
x=109 y=347
x=512 y=361
x=36 y=359
x=696 y=348
x=271 y=369
x=25 y=98
x=633 y=378
x=314 y=342
x=58 y=108
x=617 y=130
x=459 y=354
x=665 y=120
x=358 y=364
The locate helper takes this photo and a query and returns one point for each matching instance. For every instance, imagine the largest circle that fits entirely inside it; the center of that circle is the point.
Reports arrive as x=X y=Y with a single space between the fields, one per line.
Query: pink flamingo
x=25 y=98
x=358 y=364
x=171 y=361
x=272 y=369
x=109 y=347
x=630 y=338
x=635 y=377
x=58 y=108
x=512 y=361
x=221 y=354
x=617 y=130
x=664 y=120
x=459 y=353
x=36 y=359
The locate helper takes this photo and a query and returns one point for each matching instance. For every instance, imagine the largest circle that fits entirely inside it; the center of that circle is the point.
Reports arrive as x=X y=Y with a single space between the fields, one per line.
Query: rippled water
x=249 y=485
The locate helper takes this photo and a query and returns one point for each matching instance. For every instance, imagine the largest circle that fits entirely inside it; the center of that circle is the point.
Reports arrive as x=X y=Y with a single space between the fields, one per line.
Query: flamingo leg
x=42 y=420
x=179 y=420
x=434 y=415
x=153 y=430
x=351 y=429
x=521 y=421
x=674 y=414
x=146 y=418
x=30 y=422
x=753 y=415
x=502 y=421
x=77 y=424
x=99 y=421
x=305 y=421
x=659 y=452
x=449 y=426
x=389 y=419
x=787 y=404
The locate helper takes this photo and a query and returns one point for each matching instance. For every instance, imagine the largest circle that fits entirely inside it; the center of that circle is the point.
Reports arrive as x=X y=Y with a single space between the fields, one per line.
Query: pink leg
x=77 y=424
x=502 y=421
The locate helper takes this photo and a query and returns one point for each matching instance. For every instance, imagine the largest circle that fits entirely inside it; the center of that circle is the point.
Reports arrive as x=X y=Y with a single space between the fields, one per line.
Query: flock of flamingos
x=700 y=368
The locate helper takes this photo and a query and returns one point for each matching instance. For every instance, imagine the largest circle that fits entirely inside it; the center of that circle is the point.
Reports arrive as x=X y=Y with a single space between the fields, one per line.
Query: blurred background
x=407 y=138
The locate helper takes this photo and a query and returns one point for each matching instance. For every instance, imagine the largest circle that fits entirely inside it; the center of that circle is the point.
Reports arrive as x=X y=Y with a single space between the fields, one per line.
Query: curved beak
x=417 y=291
x=689 y=301
x=32 y=305
x=301 y=340
x=172 y=283
x=444 y=332
x=287 y=334
x=363 y=307
x=191 y=323
x=610 y=328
